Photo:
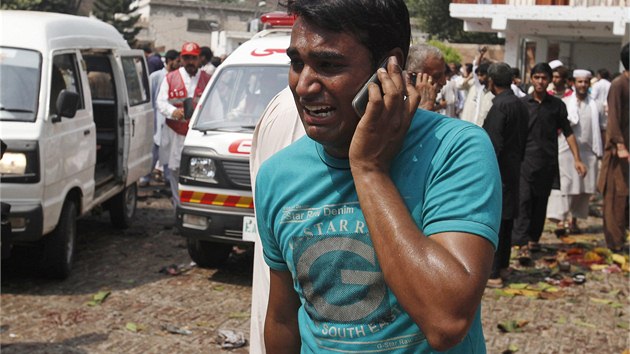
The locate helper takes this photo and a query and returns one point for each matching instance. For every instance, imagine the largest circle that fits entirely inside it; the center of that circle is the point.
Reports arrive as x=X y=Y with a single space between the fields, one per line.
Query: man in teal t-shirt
x=379 y=230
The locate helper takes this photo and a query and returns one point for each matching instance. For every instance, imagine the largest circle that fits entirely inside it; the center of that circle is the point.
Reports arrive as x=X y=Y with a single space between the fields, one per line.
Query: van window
x=238 y=96
x=20 y=72
x=65 y=75
x=136 y=79
x=99 y=72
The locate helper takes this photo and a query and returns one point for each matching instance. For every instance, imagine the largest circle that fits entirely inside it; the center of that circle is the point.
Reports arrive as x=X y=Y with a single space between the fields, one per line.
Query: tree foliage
x=62 y=6
x=436 y=20
x=451 y=55
x=118 y=14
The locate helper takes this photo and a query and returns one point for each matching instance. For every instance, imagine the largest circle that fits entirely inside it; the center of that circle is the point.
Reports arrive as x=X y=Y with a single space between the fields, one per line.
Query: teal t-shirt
x=310 y=223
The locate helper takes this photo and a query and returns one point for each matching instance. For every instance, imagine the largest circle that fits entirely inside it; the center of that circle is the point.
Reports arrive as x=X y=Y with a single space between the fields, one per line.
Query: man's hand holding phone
x=382 y=128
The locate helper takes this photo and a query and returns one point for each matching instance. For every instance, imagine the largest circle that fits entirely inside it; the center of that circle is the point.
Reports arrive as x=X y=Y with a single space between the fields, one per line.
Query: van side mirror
x=189 y=108
x=66 y=105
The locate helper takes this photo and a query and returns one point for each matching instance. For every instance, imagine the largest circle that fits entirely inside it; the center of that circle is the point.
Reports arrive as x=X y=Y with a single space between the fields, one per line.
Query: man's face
x=483 y=78
x=435 y=68
x=540 y=82
x=490 y=86
x=453 y=68
x=327 y=70
x=190 y=63
x=581 y=87
x=172 y=64
x=557 y=80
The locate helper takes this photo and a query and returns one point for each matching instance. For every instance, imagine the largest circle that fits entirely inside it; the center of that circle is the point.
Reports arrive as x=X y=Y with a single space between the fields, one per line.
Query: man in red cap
x=187 y=81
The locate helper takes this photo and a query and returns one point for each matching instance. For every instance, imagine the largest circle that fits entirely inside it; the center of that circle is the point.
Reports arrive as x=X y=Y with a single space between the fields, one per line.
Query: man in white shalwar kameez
x=585 y=115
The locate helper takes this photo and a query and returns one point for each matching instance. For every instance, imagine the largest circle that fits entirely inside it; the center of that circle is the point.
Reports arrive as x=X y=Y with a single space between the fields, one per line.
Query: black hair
x=482 y=69
x=516 y=72
x=171 y=54
x=501 y=74
x=380 y=25
x=542 y=68
x=206 y=52
x=624 y=56
x=563 y=71
x=604 y=73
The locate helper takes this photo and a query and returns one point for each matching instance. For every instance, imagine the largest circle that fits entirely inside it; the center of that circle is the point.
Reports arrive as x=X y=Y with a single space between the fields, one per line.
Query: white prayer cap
x=582 y=73
x=555 y=63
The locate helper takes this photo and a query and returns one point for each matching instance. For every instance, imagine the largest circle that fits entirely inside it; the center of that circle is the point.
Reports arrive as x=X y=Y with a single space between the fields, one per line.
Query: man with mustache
x=187 y=81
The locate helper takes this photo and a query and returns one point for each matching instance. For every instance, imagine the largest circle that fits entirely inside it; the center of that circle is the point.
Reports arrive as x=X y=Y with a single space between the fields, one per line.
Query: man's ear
x=398 y=53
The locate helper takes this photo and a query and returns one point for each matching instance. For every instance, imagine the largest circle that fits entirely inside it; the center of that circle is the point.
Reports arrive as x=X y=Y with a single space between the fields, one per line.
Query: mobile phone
x=359 y=103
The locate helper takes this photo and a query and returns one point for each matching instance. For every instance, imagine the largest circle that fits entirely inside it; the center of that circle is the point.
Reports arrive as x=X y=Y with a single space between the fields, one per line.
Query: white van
x=76 y=116
x=214 y=182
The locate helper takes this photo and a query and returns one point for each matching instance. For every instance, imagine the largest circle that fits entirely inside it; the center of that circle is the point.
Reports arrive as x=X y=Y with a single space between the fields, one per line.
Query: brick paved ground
x=42 y=316
x=588 y=318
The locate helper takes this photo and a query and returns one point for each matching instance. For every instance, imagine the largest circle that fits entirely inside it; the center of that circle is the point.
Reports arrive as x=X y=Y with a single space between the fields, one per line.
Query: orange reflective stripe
x=216 y=199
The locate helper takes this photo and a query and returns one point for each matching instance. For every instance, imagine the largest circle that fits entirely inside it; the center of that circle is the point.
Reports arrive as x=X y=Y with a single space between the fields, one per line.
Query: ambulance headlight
x=203 y=168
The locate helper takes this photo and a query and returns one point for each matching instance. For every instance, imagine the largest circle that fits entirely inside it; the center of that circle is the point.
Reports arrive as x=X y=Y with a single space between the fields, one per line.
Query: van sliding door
x=138 y=114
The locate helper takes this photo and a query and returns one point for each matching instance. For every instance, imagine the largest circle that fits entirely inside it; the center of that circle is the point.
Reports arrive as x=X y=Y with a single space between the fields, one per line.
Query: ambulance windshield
x=239 y=95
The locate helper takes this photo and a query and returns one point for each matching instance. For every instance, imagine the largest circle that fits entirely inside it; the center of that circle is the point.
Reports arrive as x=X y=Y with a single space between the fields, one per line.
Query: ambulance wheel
x=122 y=207
x=208 y=254
x=59 y=245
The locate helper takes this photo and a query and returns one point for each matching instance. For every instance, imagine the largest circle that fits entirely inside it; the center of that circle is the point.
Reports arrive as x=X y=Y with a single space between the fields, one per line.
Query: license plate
x=250 y=232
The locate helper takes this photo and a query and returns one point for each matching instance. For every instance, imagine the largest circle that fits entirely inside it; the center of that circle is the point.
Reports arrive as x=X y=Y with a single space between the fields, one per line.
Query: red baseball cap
x=191 y=48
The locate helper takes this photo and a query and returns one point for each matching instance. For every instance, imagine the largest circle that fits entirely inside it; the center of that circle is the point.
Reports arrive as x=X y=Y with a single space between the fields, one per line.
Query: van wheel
x=122 y=207
x=208 y=254
x=59 y=245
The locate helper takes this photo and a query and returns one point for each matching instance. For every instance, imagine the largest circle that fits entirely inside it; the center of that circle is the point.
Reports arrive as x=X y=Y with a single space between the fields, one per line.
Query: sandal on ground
x=494 y=283
x=579 y=278
x=560 y=232
x=524 y=258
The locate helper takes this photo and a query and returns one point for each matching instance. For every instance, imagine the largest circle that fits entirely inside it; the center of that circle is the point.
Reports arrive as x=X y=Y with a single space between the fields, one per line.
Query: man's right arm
x=282 y=334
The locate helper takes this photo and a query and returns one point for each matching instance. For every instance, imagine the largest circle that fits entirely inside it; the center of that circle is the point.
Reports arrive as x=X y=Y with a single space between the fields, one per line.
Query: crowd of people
x=551 y=158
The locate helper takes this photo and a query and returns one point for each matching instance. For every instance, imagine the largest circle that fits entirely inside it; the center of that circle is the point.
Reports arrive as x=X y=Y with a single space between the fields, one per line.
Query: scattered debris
x=134 y=327
x=175 y=269
x=512 y=348
x=512 y=326
x=98 y=298
x=176 y=330
x=230 y=339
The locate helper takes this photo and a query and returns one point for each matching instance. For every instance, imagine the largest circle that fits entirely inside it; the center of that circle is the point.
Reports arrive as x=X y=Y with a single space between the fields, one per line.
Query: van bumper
x=26 y=223
x=211 y=225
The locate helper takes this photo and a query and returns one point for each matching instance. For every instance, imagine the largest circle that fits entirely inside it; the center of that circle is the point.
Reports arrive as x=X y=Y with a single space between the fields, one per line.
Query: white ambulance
x=214 y=182
x=76 y=116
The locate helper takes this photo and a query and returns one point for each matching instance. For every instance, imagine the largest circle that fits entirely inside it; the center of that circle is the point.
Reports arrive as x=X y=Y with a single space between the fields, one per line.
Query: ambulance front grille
x=238 y=172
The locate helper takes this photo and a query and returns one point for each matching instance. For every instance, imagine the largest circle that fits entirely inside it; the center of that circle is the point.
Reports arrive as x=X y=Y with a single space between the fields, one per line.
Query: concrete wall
x=166 y=23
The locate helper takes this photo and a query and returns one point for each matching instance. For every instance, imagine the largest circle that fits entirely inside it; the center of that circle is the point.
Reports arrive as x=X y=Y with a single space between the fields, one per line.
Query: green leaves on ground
x=134 y=327
x=98 y=298
x=512 y=326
